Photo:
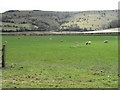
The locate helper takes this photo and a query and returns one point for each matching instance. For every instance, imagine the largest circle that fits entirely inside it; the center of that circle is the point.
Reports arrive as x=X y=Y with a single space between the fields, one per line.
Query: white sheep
x=88 y=42
x=106 y=41
x=5 y=41
x=50 y=38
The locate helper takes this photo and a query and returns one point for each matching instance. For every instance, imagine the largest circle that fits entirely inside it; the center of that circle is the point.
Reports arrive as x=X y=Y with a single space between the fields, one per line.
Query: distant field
x=61 y=62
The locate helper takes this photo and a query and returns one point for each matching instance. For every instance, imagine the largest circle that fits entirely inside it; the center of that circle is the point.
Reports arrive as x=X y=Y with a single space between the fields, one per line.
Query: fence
x=3 y=49
x=64 y=33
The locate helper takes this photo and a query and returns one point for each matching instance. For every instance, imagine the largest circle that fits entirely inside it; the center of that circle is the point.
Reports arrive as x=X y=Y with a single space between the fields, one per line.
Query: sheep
x=50 y=38
x=88 y=43
x=18 y=37
x=106 y=41
x=61 y=40
x=5 y=41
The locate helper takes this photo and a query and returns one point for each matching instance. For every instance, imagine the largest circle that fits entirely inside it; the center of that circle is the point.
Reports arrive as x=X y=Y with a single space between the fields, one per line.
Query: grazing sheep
x=18 y=37
x=61 y=40
x=5 y=41
x=50 y=38
x=106 y=41
x=88 y=43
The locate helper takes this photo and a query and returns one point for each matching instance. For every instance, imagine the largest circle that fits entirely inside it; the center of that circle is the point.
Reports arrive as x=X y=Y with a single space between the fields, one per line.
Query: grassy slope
x=51 y=63
x=95 y=21
x=45 y=19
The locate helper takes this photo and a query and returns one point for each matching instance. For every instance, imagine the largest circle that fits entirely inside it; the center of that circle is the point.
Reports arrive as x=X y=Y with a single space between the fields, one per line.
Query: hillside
x=36 y=20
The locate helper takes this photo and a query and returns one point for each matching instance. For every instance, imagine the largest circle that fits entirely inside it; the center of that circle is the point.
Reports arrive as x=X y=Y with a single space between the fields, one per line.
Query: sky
x=58 y=5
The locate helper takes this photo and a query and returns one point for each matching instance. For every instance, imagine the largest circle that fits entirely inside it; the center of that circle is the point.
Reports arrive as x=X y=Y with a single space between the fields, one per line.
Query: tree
x=74 y=27
x=85 y=29
x=114 y=24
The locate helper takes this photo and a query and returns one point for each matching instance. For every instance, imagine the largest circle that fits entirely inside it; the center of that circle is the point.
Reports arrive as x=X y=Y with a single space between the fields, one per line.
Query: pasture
x=61 y=62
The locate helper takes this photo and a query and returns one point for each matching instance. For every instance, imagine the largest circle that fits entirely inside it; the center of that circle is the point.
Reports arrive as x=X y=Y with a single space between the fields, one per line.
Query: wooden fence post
x=3 y=55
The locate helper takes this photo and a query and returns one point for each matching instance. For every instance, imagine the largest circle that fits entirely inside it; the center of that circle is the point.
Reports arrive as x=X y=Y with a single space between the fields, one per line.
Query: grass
x=92 y=19
x=62 y=62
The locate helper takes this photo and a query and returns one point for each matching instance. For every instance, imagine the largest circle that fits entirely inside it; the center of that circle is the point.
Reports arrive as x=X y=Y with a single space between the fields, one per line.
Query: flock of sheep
x=87 y=43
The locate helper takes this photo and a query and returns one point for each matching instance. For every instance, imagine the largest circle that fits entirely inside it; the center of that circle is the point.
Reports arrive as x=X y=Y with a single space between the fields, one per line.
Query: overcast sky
x=58 y=5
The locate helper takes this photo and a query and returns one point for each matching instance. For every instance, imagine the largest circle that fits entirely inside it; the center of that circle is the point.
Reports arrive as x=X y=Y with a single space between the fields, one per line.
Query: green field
x=61 y=62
